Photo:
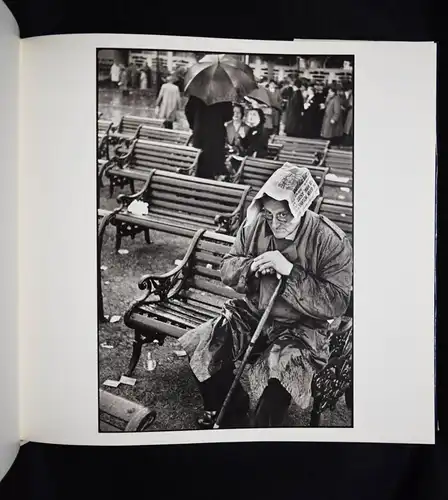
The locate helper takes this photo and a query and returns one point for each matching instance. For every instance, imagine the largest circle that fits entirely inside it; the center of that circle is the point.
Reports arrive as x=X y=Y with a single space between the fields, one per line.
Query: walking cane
x=248 y=352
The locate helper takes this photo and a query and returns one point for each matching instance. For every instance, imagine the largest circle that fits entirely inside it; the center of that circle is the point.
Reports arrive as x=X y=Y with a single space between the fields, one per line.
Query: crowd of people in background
x=225 y=132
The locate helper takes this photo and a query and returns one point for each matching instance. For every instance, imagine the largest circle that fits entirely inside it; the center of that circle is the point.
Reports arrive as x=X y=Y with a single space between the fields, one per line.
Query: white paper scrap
x=127 y=380
x=112 y=383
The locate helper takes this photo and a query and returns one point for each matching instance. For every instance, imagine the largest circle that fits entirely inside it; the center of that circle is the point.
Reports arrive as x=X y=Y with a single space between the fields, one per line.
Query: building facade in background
x=319 y=69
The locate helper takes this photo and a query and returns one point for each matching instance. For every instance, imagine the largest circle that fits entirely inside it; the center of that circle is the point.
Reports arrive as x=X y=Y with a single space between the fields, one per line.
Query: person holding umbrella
x=212 y=85
x=282 y=238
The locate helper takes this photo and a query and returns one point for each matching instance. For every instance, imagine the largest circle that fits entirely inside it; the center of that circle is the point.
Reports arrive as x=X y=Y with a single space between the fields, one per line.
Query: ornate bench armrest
x=124 y=200
x=160 y=287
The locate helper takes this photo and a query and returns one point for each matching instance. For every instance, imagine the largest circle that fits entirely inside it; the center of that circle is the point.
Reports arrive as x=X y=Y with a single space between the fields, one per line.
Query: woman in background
x=256 y=141
x=236 y=130
x=332 y=125
x=168 y=103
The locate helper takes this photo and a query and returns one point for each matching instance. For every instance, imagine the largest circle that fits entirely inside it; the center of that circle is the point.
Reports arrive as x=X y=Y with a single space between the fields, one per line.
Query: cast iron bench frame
x=168 y=159
x=175 y=297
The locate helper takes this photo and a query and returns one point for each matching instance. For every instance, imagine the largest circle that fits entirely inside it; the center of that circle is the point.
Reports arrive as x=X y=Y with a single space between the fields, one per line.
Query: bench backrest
x=256 y=171
x=159 y=134
x=339 y=212
x=192 y=198
x=339 y=162
x=147 y=155
x=104 y=126
x=204 y=289
x=129 y=124
x=300 y=144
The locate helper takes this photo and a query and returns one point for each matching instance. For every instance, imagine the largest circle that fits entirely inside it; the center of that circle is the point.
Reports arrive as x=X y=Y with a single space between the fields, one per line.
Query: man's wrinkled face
x=279 y=217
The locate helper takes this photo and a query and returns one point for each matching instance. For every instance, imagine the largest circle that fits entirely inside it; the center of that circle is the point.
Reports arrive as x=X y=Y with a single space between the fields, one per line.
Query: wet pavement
x=113 y=104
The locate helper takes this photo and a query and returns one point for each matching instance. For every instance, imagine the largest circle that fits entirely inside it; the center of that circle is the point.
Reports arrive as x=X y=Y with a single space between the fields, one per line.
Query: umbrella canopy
x=219 y=78
x=263 y=96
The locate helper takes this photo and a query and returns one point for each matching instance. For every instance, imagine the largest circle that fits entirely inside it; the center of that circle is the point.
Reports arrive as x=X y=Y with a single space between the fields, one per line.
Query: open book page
x=9 y=105
x=346 y=349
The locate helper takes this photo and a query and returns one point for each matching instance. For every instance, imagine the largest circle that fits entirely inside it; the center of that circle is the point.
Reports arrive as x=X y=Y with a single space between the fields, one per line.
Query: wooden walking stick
x=248 y=353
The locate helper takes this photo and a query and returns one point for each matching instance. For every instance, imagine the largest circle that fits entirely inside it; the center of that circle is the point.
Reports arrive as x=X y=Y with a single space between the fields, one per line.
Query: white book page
x=9 y=106
x=393 y=240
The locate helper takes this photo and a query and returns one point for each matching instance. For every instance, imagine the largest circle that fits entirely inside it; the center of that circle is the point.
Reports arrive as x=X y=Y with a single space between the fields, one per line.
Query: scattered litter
x=138 y=207
x=150 y=363
x=106 y=317
x=123 y=251
x=155 y=341
x=177 y=262
x=107 y=346
x=209 y=266
x=107 y=282
x=180 y=354
x=341 y=197
x=112 y=383
x=127 y=380
x=114 y=319
x=103 y=268
x=346 y=190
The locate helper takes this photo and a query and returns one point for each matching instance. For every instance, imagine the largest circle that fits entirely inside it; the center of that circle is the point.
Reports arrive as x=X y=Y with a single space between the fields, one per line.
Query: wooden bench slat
x=207 y=301
x=215 y=288
x=191 y=312
x=158 y=326
x=209 y=311
x=184 y=188
x=197 y=202
x=177 y=208
x=207 y=272
x=210 y=246
x=159 y=312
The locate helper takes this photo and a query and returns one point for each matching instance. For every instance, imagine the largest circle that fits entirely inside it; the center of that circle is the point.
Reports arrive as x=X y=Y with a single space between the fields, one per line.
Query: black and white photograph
x=225 y=240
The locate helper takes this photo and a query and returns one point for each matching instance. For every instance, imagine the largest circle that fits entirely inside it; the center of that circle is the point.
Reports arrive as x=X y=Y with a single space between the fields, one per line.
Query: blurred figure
x=134 y=76
x=123 y=83
x=348 y=125
x=311 y=115
x=294 y=110
x=332 y=125
x=143 y=80
x=115 y=75
x=276 y=100
x=168 y=103
x=209 y=134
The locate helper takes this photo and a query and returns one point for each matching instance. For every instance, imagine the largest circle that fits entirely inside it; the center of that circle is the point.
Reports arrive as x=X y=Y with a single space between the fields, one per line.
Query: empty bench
x=178 y=204
x=254 y=172
x=339 y=179
x=118 y=414
x=339 y=212
x=144 y=156
x=300 y=151
x=192 y=293
x=129 y=124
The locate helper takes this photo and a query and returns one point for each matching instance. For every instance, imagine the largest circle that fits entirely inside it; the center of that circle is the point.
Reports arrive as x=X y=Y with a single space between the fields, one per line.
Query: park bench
x=339 y=179
x=178 y=204
x=299 y=150
x=144 y=156
x=254 y=172
x=192 y=293
x=118 y=414
x=103 y=134
x=339 y=212
x=154 y=134
x=339 y=162
x=157 y=134
x=129 y=124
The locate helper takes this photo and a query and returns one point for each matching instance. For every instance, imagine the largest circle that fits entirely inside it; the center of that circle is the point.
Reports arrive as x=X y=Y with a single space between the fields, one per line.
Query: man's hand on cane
x=271 y=262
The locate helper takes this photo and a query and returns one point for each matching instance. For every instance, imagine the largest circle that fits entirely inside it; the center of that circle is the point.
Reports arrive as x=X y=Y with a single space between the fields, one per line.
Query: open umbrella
x=263 y=96
x=219 y=78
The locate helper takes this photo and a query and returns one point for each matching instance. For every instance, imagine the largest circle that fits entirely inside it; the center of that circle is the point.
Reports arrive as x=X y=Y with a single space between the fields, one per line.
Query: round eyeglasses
x=281 y=217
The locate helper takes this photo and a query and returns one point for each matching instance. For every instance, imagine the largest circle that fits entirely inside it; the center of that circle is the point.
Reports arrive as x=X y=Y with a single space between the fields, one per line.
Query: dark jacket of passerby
x=209 y=134
x=293 y=118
